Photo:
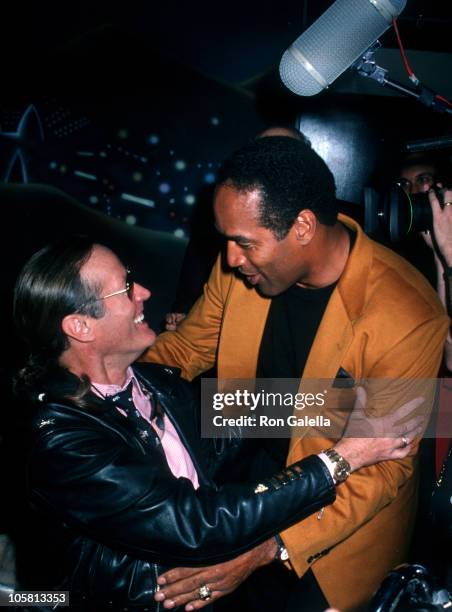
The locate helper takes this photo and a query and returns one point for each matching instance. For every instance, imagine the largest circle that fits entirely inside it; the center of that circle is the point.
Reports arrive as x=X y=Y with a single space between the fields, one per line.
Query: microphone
x=332 y=43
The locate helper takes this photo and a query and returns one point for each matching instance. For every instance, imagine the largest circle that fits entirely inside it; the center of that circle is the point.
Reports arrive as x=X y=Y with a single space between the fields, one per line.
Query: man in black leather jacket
x=109 y=508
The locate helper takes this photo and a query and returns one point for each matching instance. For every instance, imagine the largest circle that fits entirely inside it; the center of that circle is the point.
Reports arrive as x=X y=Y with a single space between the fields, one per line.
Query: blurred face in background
x=417 y=178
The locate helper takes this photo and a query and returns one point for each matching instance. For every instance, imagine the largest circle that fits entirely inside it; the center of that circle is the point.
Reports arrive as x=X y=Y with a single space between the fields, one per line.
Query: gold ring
x=204 y=592
x=404 y=441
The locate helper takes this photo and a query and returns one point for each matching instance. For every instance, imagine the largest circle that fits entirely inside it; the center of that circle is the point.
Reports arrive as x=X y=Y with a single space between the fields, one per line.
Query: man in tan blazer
x=378 y=319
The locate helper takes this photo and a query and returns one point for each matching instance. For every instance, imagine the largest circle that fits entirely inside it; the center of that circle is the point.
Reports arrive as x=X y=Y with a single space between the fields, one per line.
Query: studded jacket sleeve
x=95 y=477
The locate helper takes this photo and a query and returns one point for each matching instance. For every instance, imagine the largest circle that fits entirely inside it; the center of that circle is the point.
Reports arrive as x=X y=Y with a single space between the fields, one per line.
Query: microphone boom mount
x=366 y=66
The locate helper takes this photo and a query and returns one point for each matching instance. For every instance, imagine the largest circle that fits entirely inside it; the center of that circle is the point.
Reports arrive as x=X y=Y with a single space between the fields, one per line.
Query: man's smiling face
x=122 y=331
x=267 y=263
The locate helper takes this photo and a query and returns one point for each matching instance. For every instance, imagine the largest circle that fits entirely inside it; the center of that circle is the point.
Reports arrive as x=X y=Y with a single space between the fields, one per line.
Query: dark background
x=135 y=105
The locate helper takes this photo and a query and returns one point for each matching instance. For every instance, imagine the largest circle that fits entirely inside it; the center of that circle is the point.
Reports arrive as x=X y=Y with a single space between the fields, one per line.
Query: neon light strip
x=90 y=177
x=131 y=198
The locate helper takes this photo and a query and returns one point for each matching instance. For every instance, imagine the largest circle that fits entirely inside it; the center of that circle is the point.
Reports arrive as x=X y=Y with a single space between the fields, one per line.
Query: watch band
x=342 y=469
x=282 y=554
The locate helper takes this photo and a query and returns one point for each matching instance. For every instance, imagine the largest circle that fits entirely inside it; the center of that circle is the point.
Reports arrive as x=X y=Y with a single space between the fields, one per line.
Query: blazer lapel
x=242 y=332
x=330 y=345
x=335 y=333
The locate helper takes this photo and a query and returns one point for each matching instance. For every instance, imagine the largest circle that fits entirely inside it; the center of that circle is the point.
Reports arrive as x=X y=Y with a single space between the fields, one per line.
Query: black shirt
x=291 y=326
x=292 y=323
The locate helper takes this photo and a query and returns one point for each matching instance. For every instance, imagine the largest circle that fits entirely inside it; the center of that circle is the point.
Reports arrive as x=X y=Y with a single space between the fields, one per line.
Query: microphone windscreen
x=333 y=42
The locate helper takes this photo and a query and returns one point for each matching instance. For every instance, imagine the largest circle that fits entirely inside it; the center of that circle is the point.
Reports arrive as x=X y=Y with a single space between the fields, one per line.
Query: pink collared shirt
x=179 y=461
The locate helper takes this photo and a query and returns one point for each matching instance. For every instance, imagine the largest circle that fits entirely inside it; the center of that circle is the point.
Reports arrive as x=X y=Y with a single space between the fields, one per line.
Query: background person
x=441 y=244
x=440 y=240
x=418 y=173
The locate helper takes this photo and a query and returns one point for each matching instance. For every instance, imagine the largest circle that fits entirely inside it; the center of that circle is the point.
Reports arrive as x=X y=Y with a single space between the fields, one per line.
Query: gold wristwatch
x=342 y=469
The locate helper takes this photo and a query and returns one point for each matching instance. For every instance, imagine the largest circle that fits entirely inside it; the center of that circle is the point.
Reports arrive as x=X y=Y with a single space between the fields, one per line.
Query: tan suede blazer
x=383 y=320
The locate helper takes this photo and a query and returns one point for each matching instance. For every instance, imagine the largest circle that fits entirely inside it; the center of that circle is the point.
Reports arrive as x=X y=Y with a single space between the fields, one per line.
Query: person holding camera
x=441 y=244
x=440 y=241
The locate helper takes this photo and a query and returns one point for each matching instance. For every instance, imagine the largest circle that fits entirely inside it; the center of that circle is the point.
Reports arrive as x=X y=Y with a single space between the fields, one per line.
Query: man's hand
x=442 y=248
x=442 y=223
x=173 y=319
x=181 y=585
x=368 y=440
x=442 y=227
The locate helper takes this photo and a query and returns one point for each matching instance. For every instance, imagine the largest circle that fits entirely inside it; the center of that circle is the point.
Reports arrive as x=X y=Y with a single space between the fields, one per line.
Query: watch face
x=284 y=556
x=341 y=473
x=342 y=470
x=341 y=466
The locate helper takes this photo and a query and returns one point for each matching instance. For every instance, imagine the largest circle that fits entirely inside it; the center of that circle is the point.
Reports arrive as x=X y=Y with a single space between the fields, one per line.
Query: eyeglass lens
x=129 y=284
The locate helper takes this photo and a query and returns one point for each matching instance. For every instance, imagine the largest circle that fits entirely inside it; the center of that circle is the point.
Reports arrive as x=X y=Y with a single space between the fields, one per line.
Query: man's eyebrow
x=235 y=238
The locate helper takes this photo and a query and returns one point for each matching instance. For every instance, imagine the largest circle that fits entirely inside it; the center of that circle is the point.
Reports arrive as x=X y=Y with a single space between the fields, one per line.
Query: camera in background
x=396 y=214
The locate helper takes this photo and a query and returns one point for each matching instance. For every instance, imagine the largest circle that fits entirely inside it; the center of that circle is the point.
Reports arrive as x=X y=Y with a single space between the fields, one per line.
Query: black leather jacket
x=108 y=516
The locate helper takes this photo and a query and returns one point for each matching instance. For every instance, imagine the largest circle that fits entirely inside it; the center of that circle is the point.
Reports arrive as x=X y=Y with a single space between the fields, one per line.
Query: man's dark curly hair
x=290 y=177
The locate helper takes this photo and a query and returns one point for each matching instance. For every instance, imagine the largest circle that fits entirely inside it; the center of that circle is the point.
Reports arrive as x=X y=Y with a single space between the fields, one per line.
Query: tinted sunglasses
x=128 y=289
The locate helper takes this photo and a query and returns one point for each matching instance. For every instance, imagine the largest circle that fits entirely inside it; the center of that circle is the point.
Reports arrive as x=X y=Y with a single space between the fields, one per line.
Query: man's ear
x=305 y=226
x=79 y=327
